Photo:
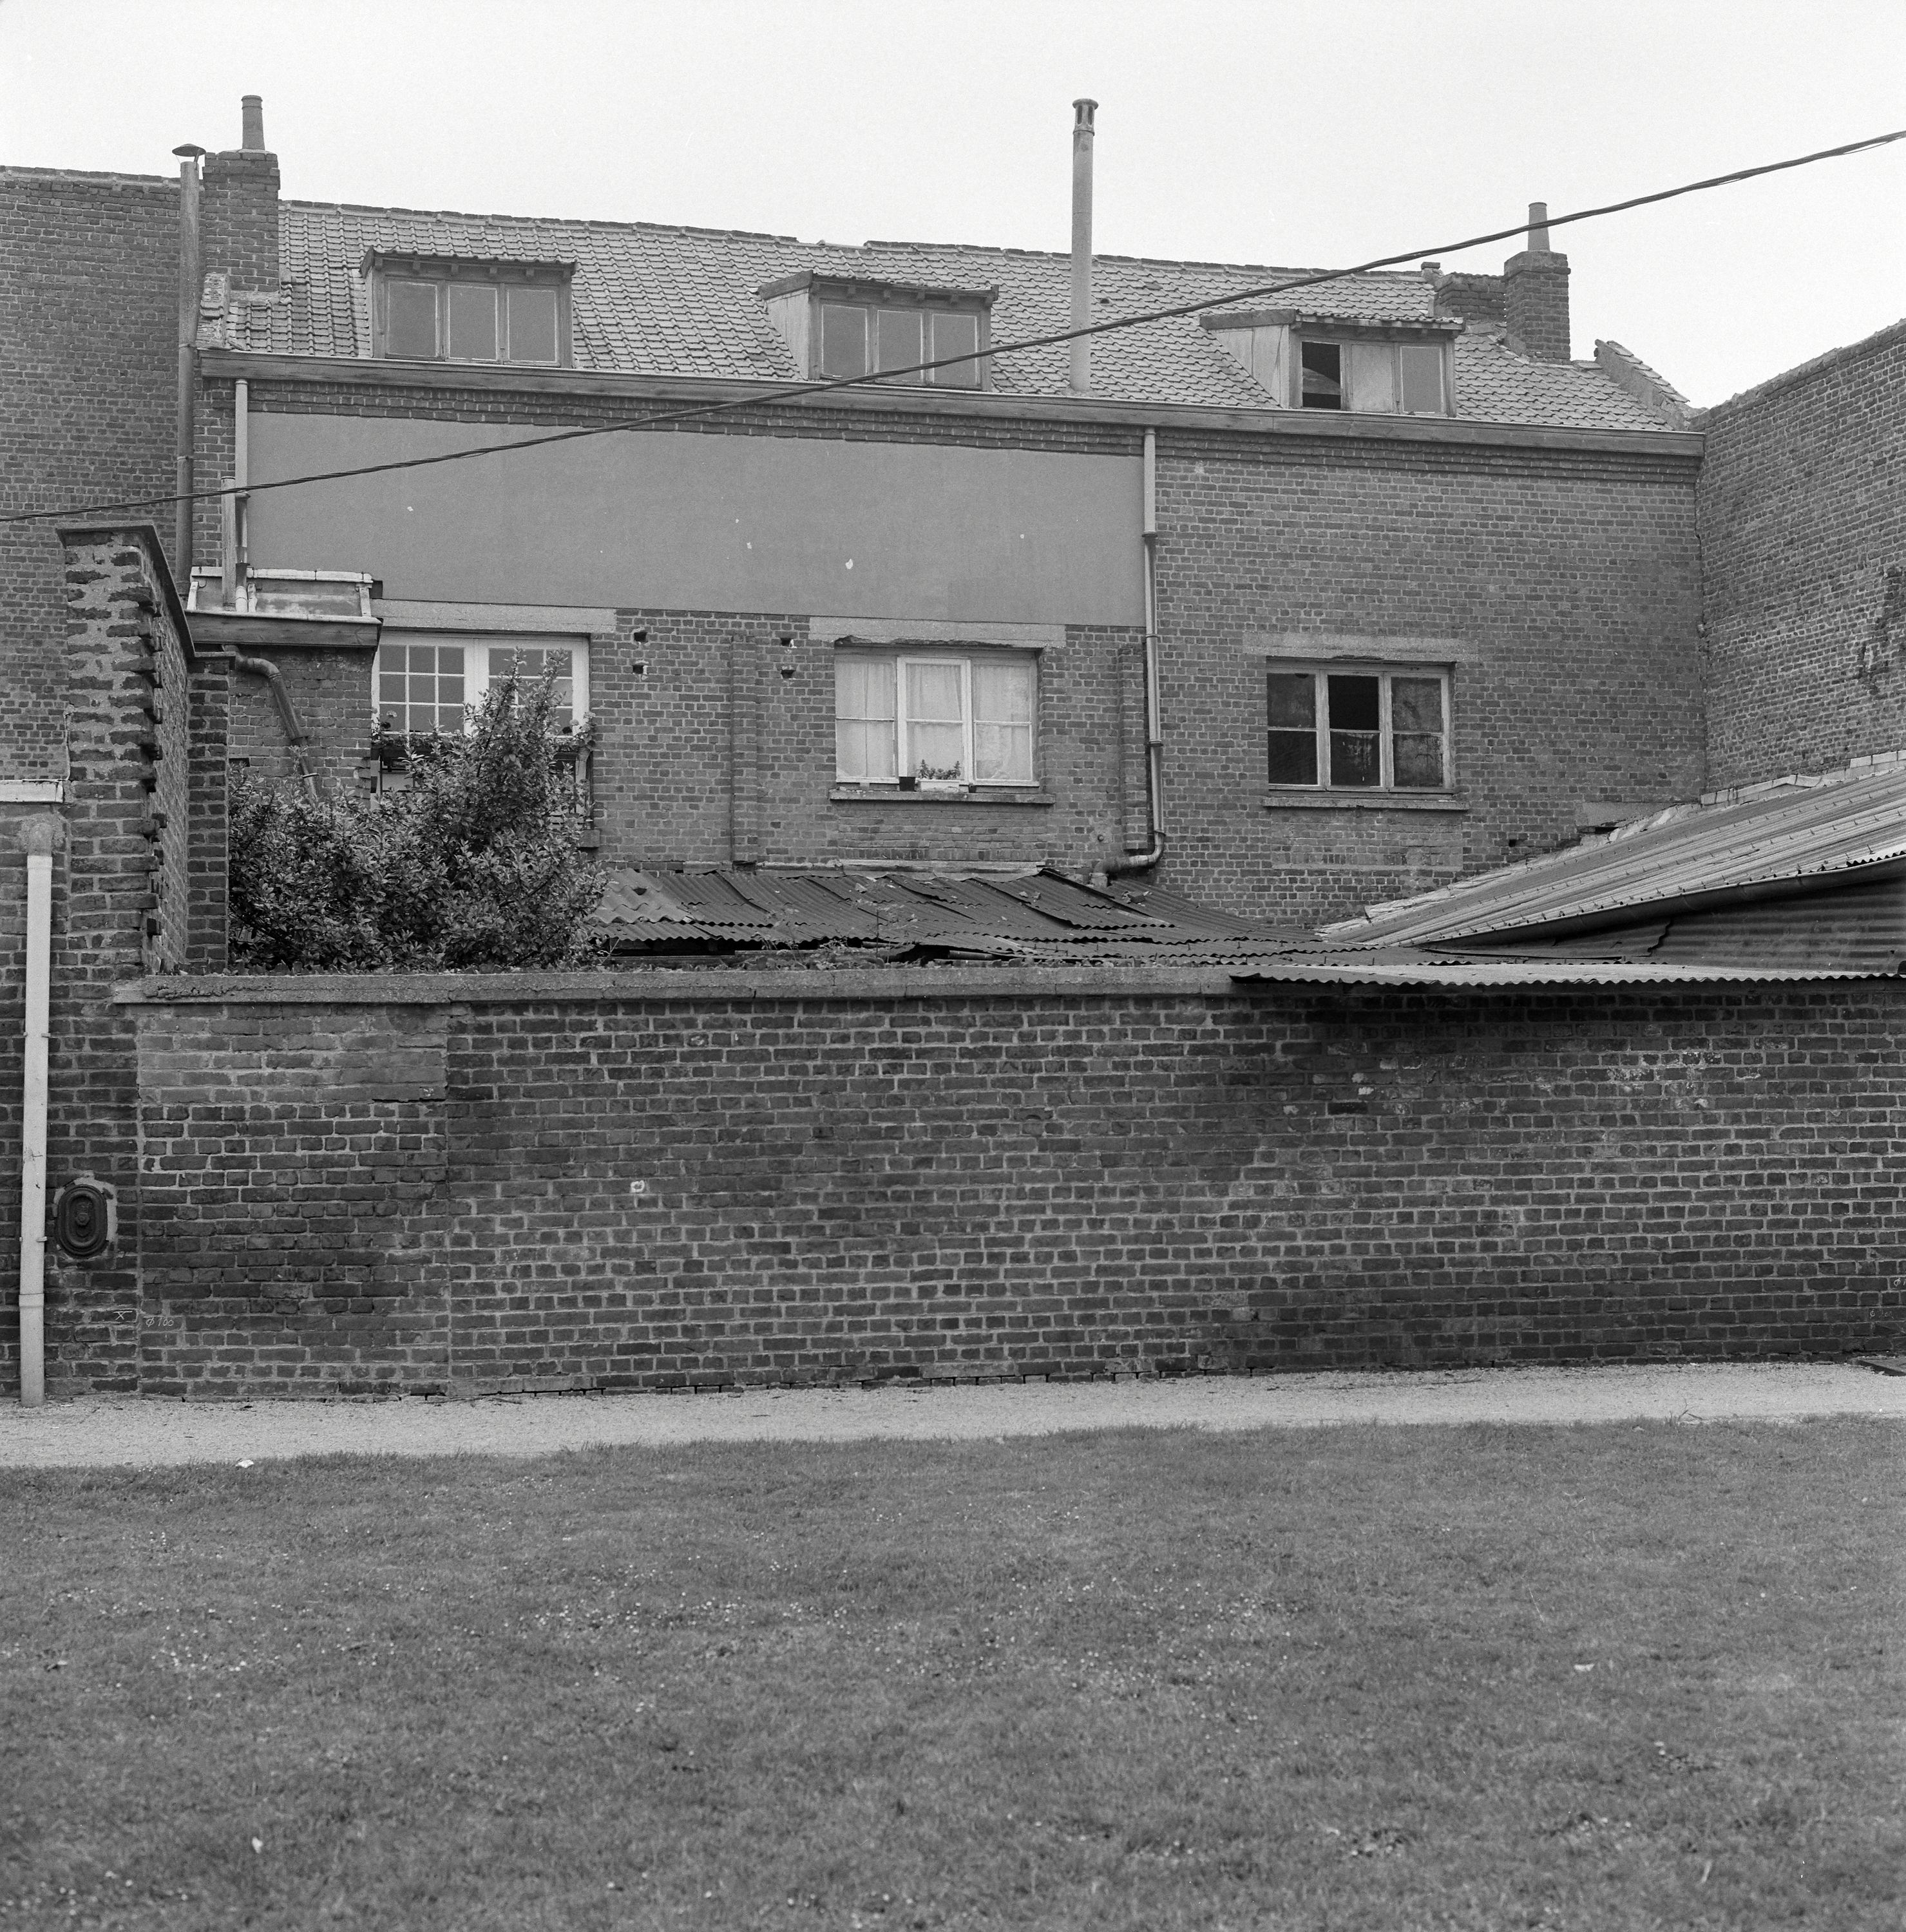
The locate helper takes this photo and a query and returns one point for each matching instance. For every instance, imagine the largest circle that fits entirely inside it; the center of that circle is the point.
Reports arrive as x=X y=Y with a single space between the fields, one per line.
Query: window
x=442 y=310
x=933 y=721
x=1373 y=378
x=427 y=683
x=844 y=329
x=1360 y=730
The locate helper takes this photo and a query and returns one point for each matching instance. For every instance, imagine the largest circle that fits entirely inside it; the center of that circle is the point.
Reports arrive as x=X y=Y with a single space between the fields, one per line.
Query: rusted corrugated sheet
x=1783 y=834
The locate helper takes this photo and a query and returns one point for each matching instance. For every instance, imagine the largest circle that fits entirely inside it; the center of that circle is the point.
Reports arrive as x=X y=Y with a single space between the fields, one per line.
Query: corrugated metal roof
x=1041 y=916
x=1376 y=970
x=653 y=300
x=1784 y=833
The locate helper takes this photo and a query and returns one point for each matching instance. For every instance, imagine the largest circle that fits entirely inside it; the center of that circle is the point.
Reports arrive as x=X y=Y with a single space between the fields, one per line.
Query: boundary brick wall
x=1802 y=502
x=1573 y=575
x=657 y=1179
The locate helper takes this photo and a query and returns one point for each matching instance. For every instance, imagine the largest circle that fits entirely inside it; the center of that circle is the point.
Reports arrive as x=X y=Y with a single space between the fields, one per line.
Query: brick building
x=1418 y=596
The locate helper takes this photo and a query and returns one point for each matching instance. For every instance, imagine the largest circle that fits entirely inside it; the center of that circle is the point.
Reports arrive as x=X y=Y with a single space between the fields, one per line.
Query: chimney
x=1535 y=293
x=238 y=218
x=1082 y=243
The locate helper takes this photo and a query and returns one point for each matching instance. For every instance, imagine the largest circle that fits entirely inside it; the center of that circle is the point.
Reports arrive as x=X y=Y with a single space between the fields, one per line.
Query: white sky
x=1298 y=135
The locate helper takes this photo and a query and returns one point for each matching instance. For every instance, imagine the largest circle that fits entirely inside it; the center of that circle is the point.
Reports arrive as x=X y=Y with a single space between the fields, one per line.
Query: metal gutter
x=233 y=365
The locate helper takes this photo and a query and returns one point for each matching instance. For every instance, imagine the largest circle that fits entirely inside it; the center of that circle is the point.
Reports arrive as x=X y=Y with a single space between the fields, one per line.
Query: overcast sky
x=1297 y=135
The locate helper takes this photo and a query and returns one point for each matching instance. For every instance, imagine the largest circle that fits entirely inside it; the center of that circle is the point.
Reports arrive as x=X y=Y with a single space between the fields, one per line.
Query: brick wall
x=1573 y=576
x=88 y=336
x=1803 y=505
x=639 y=1181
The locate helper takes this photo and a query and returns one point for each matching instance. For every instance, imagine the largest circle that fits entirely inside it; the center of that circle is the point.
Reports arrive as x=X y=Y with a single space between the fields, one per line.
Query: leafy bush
x=473 y=866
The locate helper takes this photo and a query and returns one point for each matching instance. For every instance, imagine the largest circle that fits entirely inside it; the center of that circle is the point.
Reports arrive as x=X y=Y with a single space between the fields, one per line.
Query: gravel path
x=106 y=1431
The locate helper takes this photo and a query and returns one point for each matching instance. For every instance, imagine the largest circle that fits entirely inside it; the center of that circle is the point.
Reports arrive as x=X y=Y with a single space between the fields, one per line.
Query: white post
x=39 y=836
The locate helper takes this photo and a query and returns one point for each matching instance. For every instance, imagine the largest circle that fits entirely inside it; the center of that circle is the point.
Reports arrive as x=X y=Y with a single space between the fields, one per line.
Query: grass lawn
x=1596 y=1679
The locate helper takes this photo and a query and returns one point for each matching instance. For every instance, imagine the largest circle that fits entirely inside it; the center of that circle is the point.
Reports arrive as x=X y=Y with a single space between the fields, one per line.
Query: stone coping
x=642 y=984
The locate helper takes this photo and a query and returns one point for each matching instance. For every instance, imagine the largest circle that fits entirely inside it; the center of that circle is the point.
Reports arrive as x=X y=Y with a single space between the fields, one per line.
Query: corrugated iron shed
x=1776 y=841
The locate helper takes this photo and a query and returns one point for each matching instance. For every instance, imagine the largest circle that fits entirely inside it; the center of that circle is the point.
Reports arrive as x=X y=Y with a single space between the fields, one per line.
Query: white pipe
x=1082 y=243
x=39 y=836
x=242 y=472
x=1155 y=732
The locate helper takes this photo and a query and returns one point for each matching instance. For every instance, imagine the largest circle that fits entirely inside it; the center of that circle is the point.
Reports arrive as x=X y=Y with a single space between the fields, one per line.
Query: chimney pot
x=1538 y=227
x=253 y=142
x=1081 y=241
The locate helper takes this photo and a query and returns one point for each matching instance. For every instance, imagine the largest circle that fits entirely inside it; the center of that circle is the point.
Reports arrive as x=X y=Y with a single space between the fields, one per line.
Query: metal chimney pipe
x=1538 y=227
x=252 y=105
x=188 y=337
x=1082 y=242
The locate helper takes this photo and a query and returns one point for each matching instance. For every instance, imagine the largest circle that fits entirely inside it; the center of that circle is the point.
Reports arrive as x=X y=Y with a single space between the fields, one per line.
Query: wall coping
x=660 y=983
x=325 y=371
x=146 y=535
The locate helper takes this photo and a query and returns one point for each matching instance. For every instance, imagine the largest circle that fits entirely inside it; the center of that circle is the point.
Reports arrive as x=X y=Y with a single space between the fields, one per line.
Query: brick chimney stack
x=238 y=207
x=1535 y=293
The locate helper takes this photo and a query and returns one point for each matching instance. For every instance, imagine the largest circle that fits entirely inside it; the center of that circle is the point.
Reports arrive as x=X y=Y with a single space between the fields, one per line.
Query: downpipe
x=294 y=730
x=41 y=837
x=1135 y=862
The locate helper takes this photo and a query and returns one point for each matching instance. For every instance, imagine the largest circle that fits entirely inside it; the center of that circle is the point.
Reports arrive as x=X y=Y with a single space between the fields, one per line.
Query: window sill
x=1363 y=801
x=854 y=794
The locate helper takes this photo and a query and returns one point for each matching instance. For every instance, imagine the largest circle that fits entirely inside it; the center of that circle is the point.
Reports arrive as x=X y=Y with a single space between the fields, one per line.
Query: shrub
x=473 y=866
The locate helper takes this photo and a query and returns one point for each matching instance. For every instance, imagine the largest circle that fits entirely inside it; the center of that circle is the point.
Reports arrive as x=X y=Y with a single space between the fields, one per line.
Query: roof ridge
x=547 y=220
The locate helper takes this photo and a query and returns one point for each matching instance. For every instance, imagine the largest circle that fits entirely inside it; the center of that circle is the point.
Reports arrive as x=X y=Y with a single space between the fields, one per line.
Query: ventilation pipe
x=188 y=337
x=1082 y=243
x=39 y=836
x=1154 y=735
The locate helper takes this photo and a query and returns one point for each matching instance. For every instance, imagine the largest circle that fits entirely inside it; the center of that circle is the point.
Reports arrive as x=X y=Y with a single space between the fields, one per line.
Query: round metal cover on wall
x=83 y=1220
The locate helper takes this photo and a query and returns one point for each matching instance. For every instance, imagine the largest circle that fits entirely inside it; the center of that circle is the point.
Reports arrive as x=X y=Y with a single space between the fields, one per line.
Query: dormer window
x=454 y=309
x=842 y=328
x=1308 y=362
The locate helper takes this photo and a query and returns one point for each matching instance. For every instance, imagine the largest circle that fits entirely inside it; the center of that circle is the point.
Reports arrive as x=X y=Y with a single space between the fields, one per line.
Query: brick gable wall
x=1803 y=505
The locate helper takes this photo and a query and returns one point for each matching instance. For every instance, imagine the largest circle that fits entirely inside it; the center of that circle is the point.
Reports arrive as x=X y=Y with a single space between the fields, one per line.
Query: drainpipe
x=39 y=836
x=241 y=467
x=294 y=730
x=1082 y=243
x=189 y=279
x=1154 y=735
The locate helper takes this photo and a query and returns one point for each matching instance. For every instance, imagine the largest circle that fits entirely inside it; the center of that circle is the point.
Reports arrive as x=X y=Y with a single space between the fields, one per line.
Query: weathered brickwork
x=1573 y=576
x=870 y=1176
x=88 y=330
x=122 y=908
x=1802 y=505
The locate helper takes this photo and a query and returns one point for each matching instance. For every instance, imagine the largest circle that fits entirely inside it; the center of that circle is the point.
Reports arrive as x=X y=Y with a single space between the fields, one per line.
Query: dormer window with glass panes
x=840 y=328
x=433 y=308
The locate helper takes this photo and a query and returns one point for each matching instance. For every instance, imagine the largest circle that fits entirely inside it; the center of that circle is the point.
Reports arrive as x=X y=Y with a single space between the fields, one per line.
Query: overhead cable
x=804 y=391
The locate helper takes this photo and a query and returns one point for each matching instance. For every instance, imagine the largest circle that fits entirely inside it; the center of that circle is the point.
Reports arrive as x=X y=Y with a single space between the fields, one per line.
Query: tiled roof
x=685 y=302
x=1772 y=841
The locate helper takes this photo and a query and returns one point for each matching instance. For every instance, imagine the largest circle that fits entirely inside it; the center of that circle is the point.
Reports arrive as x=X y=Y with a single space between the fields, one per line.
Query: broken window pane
x=1371 y=384
x=532 y=326
x=1416 y=703
x=410 y=319
x=843 y=340
x=1355 y=709
x=1323 y=376
x=472 y=325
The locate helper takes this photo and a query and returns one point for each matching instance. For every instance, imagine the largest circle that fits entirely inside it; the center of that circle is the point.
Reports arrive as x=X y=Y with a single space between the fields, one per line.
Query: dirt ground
x=132 y=1431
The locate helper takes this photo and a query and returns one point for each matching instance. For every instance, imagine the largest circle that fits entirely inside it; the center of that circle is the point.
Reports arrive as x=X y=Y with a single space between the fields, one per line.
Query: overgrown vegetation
x=473 y=866
x=1619 y=1679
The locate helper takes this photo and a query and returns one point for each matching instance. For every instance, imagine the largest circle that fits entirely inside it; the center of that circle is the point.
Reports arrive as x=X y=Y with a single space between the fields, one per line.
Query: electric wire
x=804 y=391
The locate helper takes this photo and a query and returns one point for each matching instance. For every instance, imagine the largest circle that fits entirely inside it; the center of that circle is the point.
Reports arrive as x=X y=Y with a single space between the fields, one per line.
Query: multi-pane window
x=1359 y=730
x=937 y=721
x=467 y=313
x=858 y=339
x=429 y=684
x=1373 y=378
